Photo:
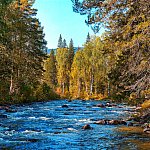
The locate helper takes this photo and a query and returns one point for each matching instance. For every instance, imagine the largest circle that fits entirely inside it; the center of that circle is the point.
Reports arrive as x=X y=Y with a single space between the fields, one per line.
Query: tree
x=89 y=72
x=127 y=30
x=76 y=75
x=23 y=49
x=50 y=74
x=62 y=69
x=64 y=44
x=60 y=42
x=88 y=38
x=71 y=53
x=96 y=10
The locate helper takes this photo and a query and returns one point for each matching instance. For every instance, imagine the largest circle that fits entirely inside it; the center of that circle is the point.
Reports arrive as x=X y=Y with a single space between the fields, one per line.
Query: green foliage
x=60 y=42
x=71 y=54
x=44 y=92
x=88 y=38
x=89 y=76
x=64 y=44
x=22 y=51
x=126 y=42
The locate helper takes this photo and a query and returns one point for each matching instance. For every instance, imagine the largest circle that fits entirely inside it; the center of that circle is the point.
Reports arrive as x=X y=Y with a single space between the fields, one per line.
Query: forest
x=22 y=54
x=96 y=96
x=112 y=66
x=115 y=65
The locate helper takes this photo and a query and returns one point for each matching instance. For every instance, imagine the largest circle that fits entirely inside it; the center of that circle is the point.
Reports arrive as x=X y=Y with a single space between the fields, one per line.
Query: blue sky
x=57 y=17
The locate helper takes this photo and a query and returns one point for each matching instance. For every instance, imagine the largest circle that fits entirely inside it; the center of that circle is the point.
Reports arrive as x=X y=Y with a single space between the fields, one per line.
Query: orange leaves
x=22 y=4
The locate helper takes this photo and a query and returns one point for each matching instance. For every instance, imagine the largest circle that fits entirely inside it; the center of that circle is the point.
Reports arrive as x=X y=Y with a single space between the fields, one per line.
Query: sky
x=57 y=17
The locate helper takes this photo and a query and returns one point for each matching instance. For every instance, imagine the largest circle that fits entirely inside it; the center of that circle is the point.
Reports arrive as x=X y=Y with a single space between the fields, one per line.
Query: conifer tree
x=127 y=24
x=24 y=45
x=71 y=53
x=88 y=38
x=64 y=44
x=60 y=42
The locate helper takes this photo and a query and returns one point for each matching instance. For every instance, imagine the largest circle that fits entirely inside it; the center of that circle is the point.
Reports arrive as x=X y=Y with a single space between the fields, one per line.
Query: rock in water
x=147 y=130
x=117 y=122
x=130 y=124
x=102 y=122
x=87 y=126
x=113 y=122
x=100 y=105
x=64 y=106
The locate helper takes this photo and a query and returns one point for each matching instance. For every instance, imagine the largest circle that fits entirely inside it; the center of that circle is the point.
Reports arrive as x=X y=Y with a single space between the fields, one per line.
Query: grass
x=131 y=129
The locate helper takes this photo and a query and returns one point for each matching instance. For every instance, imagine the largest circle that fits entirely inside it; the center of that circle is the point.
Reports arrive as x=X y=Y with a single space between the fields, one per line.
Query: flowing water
x=49 y=126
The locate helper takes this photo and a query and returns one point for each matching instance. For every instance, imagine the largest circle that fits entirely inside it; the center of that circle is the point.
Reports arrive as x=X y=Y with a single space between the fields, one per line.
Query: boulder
x=100 y=105
x=69 y=100
x=146 y=130
x=117 y=122
x=108 y=105
x=123 y=122
x=130 y=124
x=113 y=122
x=102 y=122
x=87 y=126
x=114 y=105
x=64 y=106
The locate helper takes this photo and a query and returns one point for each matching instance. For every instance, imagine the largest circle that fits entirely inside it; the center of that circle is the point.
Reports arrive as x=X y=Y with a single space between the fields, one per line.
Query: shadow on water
x=48 y=125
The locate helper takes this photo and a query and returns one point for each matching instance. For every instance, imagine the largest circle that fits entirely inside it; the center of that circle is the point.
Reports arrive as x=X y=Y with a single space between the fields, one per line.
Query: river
x=49 y=126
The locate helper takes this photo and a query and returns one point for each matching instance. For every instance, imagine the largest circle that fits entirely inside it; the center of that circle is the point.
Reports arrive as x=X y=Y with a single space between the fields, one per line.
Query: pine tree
x=60 y=42
x=127 y=23
x=71 y=53
x=64 y=44
x=88 y=38
x=24 y=45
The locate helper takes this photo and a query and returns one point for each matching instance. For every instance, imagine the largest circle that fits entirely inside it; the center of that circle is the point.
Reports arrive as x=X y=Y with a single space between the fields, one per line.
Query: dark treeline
x=22 y=52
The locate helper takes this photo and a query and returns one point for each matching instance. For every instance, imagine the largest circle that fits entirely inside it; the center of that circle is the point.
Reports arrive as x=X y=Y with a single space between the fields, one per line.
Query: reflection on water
x=48 y=125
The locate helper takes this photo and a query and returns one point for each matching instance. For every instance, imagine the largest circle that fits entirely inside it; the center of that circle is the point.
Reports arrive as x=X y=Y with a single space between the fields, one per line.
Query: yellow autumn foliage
x=146 y=104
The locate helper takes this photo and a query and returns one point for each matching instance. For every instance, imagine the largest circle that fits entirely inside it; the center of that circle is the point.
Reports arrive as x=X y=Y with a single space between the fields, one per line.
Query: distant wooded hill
x=75 y=49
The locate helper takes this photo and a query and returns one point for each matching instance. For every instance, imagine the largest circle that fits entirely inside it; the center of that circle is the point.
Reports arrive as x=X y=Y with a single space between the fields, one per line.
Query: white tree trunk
x=79 y=87
x=11 y=88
